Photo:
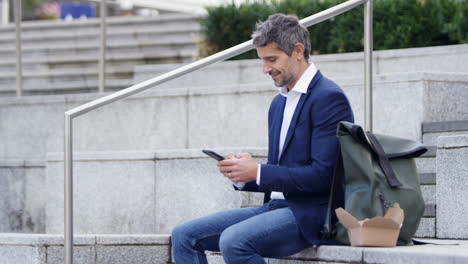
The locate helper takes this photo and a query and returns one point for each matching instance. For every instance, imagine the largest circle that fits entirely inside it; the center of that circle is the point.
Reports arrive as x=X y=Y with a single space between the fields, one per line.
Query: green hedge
x=397 y=24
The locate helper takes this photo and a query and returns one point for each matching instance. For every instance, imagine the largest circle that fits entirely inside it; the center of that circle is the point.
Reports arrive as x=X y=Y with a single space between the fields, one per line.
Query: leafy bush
x=397 y=24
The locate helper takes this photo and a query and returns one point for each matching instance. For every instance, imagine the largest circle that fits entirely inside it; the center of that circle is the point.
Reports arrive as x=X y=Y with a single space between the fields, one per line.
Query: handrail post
x=102 y=57
x=5 y=12
x=368 y=47
x=19 y=66
x=68 y=190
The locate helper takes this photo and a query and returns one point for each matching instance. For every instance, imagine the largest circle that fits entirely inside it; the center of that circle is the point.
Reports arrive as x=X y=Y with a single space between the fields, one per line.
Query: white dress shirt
x=292 y=98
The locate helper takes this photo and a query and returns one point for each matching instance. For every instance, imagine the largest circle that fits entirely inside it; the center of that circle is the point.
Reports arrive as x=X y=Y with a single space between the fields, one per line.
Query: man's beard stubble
x=284 y=81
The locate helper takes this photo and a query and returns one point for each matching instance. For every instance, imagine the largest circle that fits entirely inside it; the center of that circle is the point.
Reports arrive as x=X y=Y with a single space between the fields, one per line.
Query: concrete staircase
x=427 y=168
x=62 y=57
x=115 y=156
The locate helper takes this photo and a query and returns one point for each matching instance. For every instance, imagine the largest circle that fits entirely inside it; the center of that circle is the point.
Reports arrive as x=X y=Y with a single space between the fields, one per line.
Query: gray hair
x=285 y=31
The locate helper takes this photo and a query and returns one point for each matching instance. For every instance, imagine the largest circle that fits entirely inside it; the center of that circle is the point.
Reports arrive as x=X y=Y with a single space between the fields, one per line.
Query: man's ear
x=298 y=51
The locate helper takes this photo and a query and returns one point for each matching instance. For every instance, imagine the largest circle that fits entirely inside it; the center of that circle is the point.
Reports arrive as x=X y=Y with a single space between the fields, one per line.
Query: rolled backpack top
x=373 y=172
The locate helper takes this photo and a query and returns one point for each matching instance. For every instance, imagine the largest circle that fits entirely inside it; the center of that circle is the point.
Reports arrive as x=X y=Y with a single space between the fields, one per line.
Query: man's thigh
x=270 y=234
x=205 y=232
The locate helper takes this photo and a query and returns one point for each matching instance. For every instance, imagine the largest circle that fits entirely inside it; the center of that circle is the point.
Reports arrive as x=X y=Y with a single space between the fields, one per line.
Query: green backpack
x=375 y=171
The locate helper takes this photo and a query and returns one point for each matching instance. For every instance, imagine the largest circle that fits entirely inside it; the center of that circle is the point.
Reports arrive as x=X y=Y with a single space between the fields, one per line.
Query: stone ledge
x=18 y=163
x=447 y=142
x=134 y=239
x=92 y=22
x=427 y=178
x=43 y=239
x=80 y=240
x=448 y=251
x=90 y=249
x=151 y=155
x=446 y=126
x=412 y=254
x=431 y=151
x=424 y=254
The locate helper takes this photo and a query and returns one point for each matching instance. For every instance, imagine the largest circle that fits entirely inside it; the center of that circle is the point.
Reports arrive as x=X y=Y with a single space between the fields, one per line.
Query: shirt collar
x=303 y=83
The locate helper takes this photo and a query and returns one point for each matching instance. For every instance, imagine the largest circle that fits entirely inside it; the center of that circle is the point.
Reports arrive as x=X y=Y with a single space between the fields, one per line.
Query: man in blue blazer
x=302 y=152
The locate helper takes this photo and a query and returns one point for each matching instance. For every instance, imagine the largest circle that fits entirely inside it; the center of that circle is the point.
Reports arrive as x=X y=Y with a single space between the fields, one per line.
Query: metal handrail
x=103 y=46
x=5 y=15
x=223 y=55
x=19 y=62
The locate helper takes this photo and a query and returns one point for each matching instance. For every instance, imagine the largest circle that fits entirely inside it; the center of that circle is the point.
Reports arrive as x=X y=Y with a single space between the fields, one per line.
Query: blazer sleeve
x=315 y=177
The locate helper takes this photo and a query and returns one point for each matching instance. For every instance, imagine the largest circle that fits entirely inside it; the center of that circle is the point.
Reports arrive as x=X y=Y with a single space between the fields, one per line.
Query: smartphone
x=213 y=154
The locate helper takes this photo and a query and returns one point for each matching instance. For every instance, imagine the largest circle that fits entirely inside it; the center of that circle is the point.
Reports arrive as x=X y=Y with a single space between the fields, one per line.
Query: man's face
x=282 y=68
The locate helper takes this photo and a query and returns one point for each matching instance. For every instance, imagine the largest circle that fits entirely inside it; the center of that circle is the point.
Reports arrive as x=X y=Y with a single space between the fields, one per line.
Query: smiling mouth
x=274 y=74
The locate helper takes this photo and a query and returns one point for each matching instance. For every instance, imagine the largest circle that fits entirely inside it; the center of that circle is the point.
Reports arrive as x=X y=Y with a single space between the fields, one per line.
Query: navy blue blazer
x=304 y=170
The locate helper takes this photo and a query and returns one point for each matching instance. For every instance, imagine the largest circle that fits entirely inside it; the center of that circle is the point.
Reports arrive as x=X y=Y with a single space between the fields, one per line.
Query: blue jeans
x=243 y=236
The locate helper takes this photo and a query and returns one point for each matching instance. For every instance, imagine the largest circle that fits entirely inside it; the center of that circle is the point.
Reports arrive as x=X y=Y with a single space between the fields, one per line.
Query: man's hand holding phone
x=239 y=167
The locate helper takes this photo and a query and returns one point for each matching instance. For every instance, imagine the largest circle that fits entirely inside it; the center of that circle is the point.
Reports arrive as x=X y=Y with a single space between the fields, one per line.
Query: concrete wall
x=22 y=196
x=139 y=192
x=89 y=249
x=450 y=58
x=214 y=116
x=452 y=184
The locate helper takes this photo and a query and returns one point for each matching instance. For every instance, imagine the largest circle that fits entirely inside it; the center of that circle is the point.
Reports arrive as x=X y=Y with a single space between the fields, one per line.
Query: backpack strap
x=384 y=162
x=329 y=231
x=370 y=140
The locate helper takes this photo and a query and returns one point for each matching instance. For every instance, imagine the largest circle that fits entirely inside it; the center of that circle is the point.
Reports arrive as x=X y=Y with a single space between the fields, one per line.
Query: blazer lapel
x=298 y=109
x=276 y=126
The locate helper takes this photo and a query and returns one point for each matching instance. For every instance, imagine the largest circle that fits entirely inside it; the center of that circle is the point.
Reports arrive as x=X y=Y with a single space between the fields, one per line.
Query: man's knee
x=231 y=243
x=179 y=234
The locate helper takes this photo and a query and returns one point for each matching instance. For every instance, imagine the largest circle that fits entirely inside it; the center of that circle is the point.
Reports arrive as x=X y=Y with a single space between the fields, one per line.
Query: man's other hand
x=239 y=168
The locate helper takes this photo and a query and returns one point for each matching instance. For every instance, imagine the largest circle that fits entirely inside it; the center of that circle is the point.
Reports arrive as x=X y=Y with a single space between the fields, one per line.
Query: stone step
x=426 y=165
x=116 y=25
x=431 y=151
x=448 y=251
x=79 y=63
x=431 y=131
x=55 y=75
x=427 y=178
x=137 y=249
x=72 y=32
x=142 y=54
x=92 y=249
x=90 y=85
x=85 y=46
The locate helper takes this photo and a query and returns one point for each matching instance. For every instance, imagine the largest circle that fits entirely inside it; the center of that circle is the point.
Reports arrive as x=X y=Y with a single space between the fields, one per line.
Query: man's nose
x=266 y=68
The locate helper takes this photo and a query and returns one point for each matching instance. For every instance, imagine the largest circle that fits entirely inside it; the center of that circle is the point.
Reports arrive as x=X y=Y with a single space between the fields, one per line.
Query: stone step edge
x=111 y=21
x=446 y=126
x=95 y=45
x=176 y=54
x=87 y=86
x=344 y=254
x=83 y=239
x=448 y=251
x=431 y=152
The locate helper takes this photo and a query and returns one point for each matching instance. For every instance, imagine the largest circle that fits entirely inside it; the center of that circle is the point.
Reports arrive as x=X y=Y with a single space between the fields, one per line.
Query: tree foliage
x=397 y=24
